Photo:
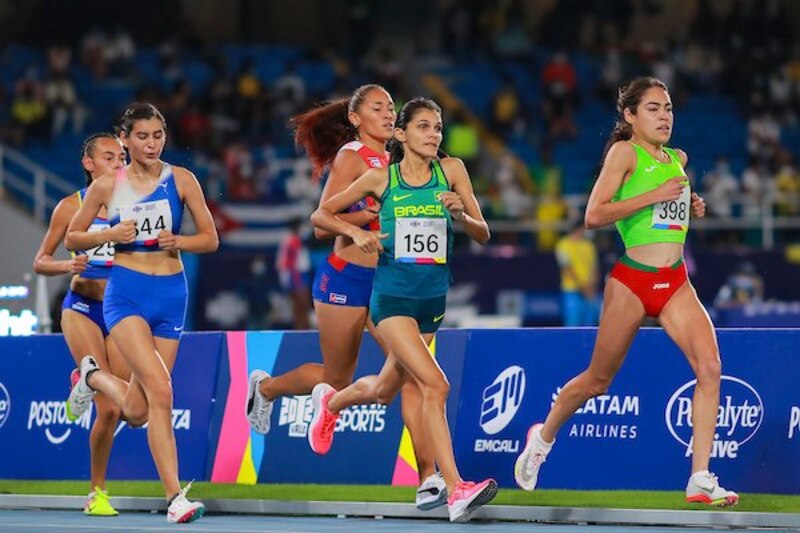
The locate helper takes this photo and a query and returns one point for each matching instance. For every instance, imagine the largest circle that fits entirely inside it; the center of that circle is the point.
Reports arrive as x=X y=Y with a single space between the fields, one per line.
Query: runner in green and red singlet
x=643 y=188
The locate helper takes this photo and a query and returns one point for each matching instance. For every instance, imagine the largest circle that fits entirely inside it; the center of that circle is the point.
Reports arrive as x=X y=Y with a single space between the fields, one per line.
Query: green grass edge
x=775 y=503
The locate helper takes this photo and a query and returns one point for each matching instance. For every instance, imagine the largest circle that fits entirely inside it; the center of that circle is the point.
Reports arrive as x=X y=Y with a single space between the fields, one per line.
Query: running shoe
x=182 y=510
x=323 y=423
x=432 y=493
x=258 y=408
x=526 y=469
x=468 y=496
x=99 y=504
x=80 y=397
x=703 y=487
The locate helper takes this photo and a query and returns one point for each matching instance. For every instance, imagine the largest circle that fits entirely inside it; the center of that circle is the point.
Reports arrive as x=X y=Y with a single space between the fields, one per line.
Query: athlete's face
x=376 y=116
x=107 y=157
x=653 y=118
x=145 y=141
x=423 y=133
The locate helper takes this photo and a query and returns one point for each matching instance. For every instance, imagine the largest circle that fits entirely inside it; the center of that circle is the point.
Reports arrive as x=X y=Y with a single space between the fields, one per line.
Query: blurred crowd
x=556 y=67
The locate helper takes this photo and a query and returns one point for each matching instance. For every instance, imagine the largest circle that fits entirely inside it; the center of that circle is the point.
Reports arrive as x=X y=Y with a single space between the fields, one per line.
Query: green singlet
x=661 y=222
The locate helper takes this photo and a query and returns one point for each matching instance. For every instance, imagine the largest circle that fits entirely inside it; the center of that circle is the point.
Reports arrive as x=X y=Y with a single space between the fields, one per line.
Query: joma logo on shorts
x=657 y=286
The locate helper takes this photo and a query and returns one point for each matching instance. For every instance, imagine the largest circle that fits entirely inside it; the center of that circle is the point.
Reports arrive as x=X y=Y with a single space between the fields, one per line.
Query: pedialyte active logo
x=500 y=402
x=296 y=412
x=740 y=414
x=5 y=404
x=52 y=416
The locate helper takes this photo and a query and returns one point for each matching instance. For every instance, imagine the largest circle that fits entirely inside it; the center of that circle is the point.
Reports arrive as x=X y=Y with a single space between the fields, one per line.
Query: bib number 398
x=151 y=219
x=673 y=214
x=421 y=240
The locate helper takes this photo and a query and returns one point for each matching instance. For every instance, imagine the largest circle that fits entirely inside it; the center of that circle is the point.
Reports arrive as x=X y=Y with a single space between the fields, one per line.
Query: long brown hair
x=629 y=97
x=321 y=131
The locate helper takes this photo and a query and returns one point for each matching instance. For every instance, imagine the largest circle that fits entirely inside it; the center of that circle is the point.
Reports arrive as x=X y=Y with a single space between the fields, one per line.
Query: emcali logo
x=502 y=399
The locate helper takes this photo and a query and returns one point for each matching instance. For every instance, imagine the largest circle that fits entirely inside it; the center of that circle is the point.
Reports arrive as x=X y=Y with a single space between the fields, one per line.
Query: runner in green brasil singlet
x=420 y=237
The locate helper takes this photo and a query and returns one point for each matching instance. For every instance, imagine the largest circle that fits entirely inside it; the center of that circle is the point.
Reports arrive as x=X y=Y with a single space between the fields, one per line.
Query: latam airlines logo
x=500 y=402
x=5 y=404
x=739 y=417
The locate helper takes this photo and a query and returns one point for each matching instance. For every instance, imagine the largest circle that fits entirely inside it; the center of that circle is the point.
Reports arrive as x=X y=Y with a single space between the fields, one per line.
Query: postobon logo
x=740 y=414
x=5 y=404
x=52 y=416
x=502 y=399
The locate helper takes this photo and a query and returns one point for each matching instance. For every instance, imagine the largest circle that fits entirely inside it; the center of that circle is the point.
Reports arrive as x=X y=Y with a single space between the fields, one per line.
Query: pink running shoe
x=74 y=376
x=468 y=496
x=320 y=431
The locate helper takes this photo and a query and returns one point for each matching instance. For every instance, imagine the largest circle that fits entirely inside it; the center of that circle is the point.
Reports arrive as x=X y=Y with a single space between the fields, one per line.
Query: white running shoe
x=80 y=397
x=432 y=493
x=468 y=496
x=182 y=510
x=258 y=408
x=323 y=423
x=526 y=469
x=703 y=487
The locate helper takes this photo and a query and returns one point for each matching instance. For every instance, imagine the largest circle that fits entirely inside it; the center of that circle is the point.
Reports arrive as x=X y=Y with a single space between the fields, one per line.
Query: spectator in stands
x=742 y=287
x=62 y=100
x=547 y=174
x=721 y=188
x=577 y=261
x=787 y=185
x=461 y=139
x=293 y=266
x=763 y=136
x=550 y=210
x=517 y=203
x=505 y=108
x=757 y=182
x=29 y=113
x=560 y=82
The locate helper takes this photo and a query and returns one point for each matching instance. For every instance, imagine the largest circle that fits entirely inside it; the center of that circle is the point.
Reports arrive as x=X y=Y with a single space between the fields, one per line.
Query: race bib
x=420 y=240
x=151 y=219
x=673 y=214
x=102 y=255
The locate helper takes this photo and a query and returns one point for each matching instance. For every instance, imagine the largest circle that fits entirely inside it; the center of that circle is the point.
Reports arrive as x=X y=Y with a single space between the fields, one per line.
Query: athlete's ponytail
x=405 y=116
x=321 y=131
x=629 y=97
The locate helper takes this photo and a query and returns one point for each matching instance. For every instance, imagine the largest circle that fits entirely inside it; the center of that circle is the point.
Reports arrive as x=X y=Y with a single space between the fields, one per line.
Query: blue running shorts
x=338 y=282
x=89 y=307
x=159 y=300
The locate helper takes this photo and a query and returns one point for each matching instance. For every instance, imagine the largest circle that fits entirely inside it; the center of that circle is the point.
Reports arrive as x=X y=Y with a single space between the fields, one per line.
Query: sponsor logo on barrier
x=500 y=402
x=296 y=412
x=794 y=421
x=181 y=420
x=603 y=407
x=52 y=416
x=739 y=416
x=5 y=404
